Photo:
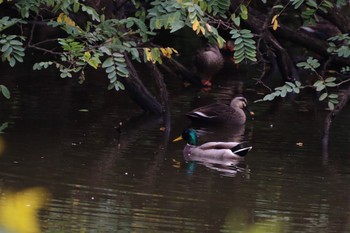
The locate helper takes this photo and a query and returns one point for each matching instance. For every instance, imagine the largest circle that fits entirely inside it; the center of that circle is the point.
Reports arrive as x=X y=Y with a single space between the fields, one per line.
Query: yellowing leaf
x=275 y=25
x=208 y=27
x=195 y=24
x=148 y=54
x=87 y=56
x=18 y=211
x=274 y=22
x=169 y=51
x=62 y=18
x=94 y=62
x=274 y=18
x=202 y=30
x=174 y=50
x=165 y=52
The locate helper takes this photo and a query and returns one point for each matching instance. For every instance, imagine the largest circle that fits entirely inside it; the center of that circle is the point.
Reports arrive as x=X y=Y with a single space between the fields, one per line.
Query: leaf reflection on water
x=18 y=210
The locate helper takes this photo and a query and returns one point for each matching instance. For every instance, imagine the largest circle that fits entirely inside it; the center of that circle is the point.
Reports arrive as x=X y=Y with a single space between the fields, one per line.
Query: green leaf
x=119 y=85
x=123 y=70
x=331 y=84
x=311 y=3
x=330 y=105
x=112 y=75
x=323 y=96
x=269 y=97
x=333 y=96
x=3 y=127
x=244 y=9
x=12 y=62
x=76 y=6
x=320 y=87
x=5 y=91
x=7 y=52
x=5 y=47
x=237 y=21
x=15 y=42
x=110 y=69
x=330 y=79
x=108 y=62
x=318 y=83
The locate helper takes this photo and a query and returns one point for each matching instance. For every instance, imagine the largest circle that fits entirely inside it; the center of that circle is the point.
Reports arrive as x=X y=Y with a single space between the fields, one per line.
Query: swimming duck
x=212 y=151
x=222 y=113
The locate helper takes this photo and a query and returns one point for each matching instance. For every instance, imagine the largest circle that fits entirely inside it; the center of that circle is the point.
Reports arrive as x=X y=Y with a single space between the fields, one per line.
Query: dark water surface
x=64 y=137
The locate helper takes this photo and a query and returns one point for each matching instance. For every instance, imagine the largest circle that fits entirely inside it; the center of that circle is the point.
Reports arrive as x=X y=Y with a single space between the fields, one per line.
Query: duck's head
x=189 y=135
x=242 y=103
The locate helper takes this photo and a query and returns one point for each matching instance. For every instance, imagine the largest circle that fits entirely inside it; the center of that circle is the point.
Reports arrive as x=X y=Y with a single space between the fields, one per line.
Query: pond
x=110 y=168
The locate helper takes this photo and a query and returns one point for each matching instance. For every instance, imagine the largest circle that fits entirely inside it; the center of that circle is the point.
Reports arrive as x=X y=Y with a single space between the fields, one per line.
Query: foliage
x=98 y=42
x=115 y=65
x=322 y=85
x=3 y=127
x=5 y=92
x=12 y=49
x=109 y=40
x=282 y=91
x=339 y=45
x=244 y=45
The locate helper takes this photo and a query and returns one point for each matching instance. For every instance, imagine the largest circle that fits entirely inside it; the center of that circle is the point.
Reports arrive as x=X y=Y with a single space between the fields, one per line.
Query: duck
x=211 y=151
x=207 y=62
x=222 y=113
x=210 y=59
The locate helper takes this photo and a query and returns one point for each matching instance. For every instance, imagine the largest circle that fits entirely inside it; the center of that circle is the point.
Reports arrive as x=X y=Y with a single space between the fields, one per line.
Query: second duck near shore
x=222 y=113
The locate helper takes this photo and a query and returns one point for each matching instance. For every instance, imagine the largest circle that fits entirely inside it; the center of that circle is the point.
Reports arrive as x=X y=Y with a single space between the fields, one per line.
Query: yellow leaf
x=165 y=52
x=169 y=51
x=62 y=18
x=275 y=25
x=174 y=50
x=202 y=30
x=274 y=22
x=195 y=24
x=148 y=54
x=18 y=211
x=274 y=18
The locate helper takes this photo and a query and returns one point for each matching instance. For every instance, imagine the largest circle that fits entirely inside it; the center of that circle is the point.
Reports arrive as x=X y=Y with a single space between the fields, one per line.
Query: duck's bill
x=178 y=139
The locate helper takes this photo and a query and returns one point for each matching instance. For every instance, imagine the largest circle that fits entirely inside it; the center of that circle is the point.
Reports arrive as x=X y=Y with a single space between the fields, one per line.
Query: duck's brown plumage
x=208 y=61
x=221 y=113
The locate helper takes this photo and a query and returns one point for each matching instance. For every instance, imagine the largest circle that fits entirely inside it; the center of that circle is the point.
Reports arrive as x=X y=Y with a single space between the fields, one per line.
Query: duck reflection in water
x=220 y=156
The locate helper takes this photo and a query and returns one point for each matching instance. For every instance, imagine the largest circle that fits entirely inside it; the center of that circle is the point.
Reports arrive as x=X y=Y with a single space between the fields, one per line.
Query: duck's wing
x=205 y=154
x=211 y=112
x=232 y=147
x=218 y=145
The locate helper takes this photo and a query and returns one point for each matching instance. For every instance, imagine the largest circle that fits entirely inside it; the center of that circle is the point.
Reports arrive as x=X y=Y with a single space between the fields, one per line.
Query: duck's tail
x=241 y=150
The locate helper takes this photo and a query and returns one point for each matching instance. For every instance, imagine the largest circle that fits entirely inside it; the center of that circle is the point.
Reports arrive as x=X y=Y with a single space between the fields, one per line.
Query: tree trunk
x=139 y=93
